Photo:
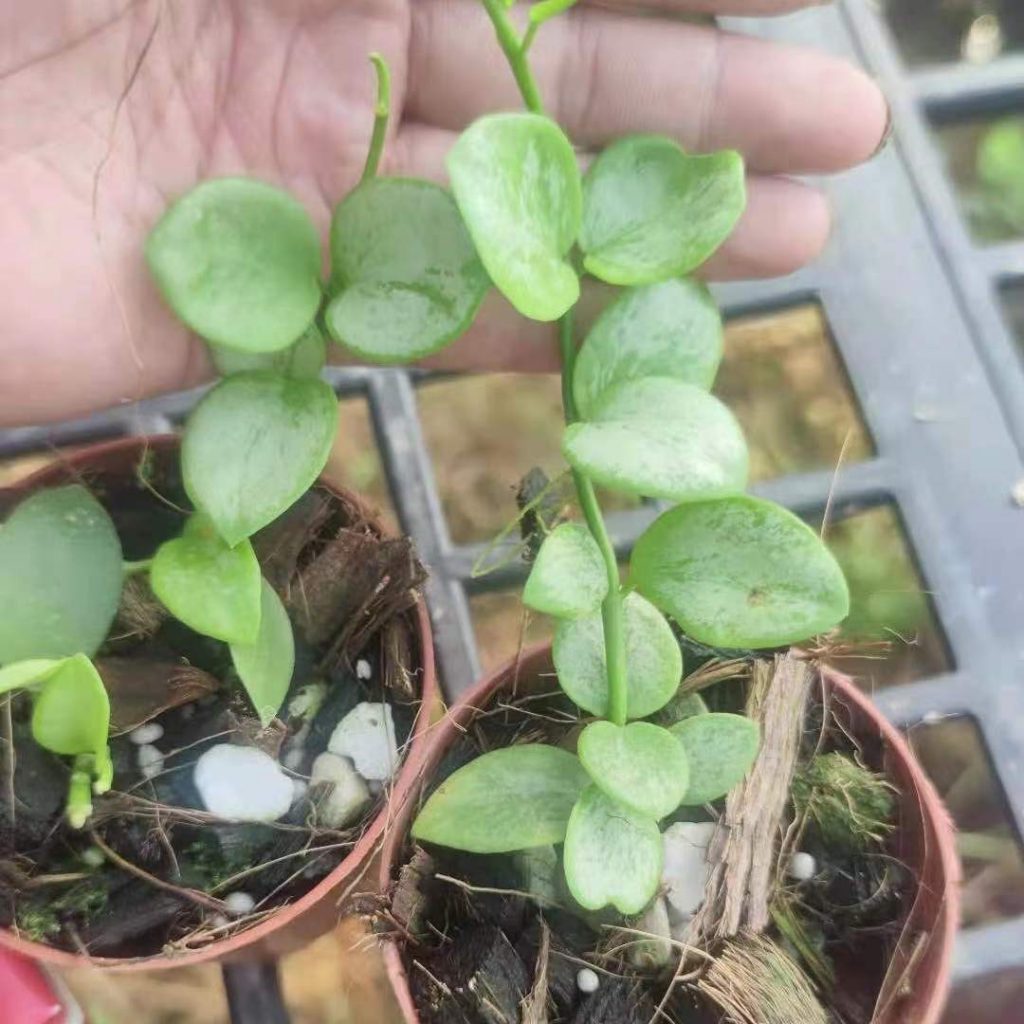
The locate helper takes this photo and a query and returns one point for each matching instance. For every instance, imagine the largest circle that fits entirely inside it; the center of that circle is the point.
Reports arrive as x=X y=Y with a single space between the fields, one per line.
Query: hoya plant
x=410 y=262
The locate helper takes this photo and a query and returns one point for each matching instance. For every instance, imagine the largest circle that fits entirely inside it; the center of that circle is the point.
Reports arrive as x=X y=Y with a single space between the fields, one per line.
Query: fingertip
x=785 y=227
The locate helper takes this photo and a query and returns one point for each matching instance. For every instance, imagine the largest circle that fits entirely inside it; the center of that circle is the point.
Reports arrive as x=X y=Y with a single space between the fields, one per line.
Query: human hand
x=108 y=111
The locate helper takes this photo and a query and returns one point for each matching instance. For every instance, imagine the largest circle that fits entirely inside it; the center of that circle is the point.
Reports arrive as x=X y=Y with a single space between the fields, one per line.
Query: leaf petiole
x=133 y=568
x=382 y=114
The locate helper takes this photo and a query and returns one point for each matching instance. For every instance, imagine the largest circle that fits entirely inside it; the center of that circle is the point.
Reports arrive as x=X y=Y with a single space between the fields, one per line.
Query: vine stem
x=381 y=116
x=611 y=608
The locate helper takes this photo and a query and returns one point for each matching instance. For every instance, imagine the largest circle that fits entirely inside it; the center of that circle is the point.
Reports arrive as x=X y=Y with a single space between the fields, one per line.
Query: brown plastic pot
x=918 y=983
x=315 y=912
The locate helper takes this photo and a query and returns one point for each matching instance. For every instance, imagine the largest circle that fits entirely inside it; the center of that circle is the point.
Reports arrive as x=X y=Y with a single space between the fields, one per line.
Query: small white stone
x=238 y=904
x=587 y=981
x=349 y=796
x=366 y=735
x=145 y=734
x=802 y=866
x=686 y=869
x=150 y=761
x=93 y=857
x=363 y=670
x=299 y=787
x=242 y=784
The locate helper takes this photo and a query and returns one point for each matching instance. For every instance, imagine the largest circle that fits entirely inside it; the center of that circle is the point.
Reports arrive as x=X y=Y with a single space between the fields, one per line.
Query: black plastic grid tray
x=913 y=305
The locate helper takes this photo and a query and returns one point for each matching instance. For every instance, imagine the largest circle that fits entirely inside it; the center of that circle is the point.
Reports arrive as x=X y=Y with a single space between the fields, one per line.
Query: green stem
x=611 y=609
x=79 y=806
x=132 y=568
x=382 y=114
x=514 y=52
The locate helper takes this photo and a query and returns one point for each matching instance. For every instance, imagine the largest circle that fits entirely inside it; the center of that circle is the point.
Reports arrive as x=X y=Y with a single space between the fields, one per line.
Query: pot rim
x=357 y=862
x=936 y=824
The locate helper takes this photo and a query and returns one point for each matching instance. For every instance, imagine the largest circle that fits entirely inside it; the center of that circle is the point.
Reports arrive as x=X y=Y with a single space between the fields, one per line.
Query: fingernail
x=887 y=134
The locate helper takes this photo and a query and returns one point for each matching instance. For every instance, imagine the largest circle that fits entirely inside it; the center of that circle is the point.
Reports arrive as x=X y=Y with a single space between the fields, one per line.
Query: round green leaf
x=638 y=765
x=71 y=714
x=254 y=445
x=612 y=855
x=740 y=572
x=265 y=667
x=27 y=673
x=409 y=279
x=681 y=706
x=568 y=578
x=60 y=576
x=660 y=438
x=239 y=262
x=720 y=749
x=517 y=184
x=672 y=329
x=651 y=212
x=509 y=799
x=304 y=358
x=212 y=588
x=654 y=663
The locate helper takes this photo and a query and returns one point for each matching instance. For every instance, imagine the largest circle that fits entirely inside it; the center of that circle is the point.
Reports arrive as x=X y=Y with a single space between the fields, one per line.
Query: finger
x=606 y=74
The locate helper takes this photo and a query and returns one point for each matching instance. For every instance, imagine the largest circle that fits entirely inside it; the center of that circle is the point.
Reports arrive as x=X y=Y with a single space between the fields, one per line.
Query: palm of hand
x=286 y=96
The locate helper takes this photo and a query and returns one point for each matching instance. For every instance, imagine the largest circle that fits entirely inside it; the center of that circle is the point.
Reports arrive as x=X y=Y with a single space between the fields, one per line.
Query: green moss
x=850 y=806
x=37 y=921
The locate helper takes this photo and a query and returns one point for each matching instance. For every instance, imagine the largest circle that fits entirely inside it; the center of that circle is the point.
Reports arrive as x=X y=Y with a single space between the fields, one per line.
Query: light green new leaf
x=509 y=799
x=654 y=663
x=672 y=329
x=254 y=445
x=60 y=576
x=740 y=572
x=408 y=278
x=266 y=666
x=304 y=358
x=638 y=765
x=568 y=577
x=720 y=749
x=517 y=184
x=651 y=212
x=239 y=262
x=660 y=438
x=211 y=587
x=612 y=855
x=71 y=714
x=27 y=673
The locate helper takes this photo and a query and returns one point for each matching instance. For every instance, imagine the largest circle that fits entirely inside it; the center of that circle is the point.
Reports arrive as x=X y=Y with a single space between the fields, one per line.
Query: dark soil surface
x=165 y=861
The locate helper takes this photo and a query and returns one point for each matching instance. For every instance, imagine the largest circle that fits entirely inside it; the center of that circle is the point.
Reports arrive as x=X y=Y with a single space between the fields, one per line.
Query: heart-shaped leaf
x=60 y=576
x=239 y=262
x=672 y=329
x=254 y=445
x=684 y=705
x=517 y=184
x=651 y=212
x=266 y=666
x=71 y=714
x=740 y=572
x=637 y=765
x=305 y=358
x=568 y=578
x=212 y=588
x=409 y=280
x=509 y=799
x=27 y=673
x=720 y=749
x=612 y=855
x=654 y=663
x=660 y=438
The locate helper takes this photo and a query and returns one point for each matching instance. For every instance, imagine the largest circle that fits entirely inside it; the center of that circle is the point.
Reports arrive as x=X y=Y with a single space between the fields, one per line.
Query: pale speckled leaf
x=720 y=749
x=568 y=578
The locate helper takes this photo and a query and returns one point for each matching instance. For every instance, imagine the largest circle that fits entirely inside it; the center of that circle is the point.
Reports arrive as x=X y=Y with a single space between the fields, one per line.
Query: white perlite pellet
x=242 y=784
x=802 y=867
x=238 y=904
x=150 y=761
x=587 y=981
x=366 y=736
x=363 y=669
x=146 y=734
